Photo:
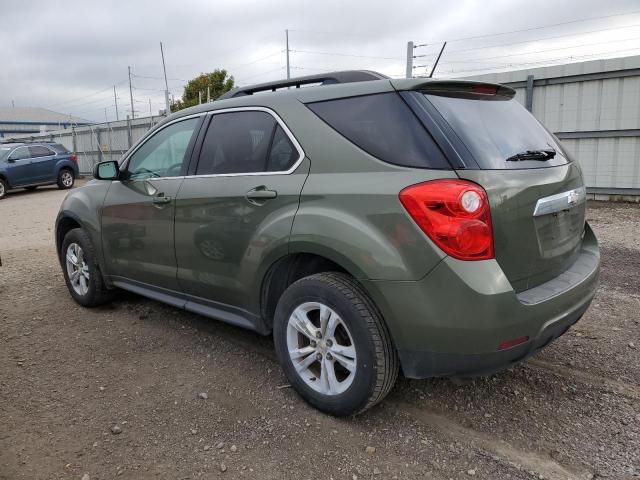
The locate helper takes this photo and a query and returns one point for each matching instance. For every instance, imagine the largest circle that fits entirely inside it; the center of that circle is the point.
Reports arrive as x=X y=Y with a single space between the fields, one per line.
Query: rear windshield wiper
x=541 y=155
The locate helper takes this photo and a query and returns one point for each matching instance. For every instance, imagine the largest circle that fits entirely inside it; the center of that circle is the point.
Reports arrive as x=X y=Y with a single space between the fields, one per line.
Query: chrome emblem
x=573 y=197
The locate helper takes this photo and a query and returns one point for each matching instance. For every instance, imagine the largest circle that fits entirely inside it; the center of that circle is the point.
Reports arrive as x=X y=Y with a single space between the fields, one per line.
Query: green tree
x=218 y=82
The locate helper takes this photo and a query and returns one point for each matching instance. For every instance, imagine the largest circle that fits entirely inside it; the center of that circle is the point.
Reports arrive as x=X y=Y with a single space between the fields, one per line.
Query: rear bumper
x=451 y=322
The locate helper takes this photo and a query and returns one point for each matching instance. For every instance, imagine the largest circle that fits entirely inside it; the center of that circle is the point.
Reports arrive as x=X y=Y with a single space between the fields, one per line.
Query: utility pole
x=150 y=111
x=199 y=97
x=208 y=93
x=166 y=84
x=409 y=72
x=115 y=100
x=437 y=59
x=133 y=115
x=286 y=32
x=105 y=115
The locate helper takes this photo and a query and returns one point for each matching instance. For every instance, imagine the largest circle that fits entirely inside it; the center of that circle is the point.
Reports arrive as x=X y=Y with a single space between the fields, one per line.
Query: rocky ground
x=140 y=390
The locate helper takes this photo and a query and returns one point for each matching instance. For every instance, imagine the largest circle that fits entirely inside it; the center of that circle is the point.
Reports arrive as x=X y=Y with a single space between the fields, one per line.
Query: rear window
x=494 y=129
x=383 y=126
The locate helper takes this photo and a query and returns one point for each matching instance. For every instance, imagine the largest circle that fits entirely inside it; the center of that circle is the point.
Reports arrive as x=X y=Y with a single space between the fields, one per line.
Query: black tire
x=31 y=189
x=62 y=174
x=97 y=293
x=3 y=188
x=377 y=362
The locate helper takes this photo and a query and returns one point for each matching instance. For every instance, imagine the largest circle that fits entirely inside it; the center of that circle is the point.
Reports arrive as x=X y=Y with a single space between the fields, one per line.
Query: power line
x=512 y=66
x=537 y=28
x=336 y=54
x=544 y=38
x=462 y=60
x=84 y=96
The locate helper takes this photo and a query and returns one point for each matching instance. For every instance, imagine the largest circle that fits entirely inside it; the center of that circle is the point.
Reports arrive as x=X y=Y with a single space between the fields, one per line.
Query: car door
x=139 y=208
x=236 y=211
x=18 y=167
x=42 y=164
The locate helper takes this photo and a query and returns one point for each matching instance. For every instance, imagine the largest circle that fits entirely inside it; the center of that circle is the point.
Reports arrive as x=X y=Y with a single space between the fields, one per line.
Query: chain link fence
x=96 y=143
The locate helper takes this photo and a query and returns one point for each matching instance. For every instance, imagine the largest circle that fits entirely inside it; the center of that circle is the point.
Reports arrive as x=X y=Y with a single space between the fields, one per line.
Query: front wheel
x=66 y=179
x=333 y=344
x=81 y=272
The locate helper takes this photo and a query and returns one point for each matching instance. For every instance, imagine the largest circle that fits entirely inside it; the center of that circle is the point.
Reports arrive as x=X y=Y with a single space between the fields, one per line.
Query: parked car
x=368 y=224
x=30 y=165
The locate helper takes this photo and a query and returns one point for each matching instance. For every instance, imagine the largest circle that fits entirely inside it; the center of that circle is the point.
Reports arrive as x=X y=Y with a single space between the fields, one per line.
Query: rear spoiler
x=455 y=87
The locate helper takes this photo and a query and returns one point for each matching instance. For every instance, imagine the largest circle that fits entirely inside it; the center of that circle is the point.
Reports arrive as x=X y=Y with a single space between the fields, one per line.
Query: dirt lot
x=69 y=375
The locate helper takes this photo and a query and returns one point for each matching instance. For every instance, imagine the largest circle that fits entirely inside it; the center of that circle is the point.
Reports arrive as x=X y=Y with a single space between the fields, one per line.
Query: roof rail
x=346 y=76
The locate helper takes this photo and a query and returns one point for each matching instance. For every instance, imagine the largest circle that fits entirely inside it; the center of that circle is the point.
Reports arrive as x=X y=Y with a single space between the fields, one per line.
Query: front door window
x=162 y=155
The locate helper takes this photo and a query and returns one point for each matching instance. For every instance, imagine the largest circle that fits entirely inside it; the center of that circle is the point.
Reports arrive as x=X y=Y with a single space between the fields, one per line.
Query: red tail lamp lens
x=454 y=214
x=74 y=157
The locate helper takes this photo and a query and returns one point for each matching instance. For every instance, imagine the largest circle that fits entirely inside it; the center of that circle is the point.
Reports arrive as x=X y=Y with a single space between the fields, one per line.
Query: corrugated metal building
x=594 y=108
x=25 y=120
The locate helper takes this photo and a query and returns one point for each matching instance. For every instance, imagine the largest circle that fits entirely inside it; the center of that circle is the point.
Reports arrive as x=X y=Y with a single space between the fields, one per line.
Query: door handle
x=260 y=194
x=160 y=199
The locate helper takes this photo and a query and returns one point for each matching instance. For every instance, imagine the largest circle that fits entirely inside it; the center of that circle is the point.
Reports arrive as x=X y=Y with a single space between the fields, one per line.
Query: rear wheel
x=333 y=345
x=81 y=272
x=3 y=188
x=66 y=178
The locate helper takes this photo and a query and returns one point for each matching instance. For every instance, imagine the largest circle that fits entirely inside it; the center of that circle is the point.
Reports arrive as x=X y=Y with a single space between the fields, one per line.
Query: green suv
x=368 y=224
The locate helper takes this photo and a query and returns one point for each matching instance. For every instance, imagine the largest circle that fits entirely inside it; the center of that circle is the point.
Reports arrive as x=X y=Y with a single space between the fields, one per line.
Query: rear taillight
x=74 y=157
x=454 y=214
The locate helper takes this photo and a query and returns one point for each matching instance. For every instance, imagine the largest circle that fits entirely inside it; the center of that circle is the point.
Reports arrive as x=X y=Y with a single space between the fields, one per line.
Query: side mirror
x=11 y=160
x=106 y=171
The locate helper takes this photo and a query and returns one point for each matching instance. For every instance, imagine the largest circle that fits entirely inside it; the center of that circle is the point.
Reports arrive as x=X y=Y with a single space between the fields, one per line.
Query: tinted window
x=163 y=154
x=236 y=142
x=383 y=126
x=61 y=149
x=39 y=151
x=283 y=153
x=495 y=128
x=20 y=153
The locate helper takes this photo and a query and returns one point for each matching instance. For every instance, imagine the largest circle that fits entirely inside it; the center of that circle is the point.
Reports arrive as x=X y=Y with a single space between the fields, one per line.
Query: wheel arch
x=295 y=265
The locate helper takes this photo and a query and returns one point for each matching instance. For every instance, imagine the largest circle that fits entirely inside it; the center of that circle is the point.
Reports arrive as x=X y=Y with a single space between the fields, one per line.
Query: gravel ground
x=140 y=390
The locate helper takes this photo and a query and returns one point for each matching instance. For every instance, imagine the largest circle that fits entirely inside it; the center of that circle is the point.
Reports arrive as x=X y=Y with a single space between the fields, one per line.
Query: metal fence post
x=74 y=140
x=128 y=132
x=529 y=100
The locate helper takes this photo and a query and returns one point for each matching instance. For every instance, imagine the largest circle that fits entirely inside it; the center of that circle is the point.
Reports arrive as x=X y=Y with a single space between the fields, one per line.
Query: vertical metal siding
x=597 y=103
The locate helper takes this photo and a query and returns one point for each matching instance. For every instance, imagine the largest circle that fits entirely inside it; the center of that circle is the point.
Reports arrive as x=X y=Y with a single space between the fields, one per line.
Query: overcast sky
x=68 y=55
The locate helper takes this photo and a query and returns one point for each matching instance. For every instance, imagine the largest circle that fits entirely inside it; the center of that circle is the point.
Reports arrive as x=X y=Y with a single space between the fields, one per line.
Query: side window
x=20 y=154
x=163 y=154
x=383 y=126
x=40 y=151
x=236 y=142
x=283 y=153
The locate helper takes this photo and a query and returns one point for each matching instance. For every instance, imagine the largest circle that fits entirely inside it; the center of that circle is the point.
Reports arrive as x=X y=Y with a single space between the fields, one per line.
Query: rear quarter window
x=59 y=149
x=383 y=126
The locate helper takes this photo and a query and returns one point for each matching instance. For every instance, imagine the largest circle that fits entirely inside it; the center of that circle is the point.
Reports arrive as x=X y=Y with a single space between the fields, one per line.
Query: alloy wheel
x=67 y=179
x=77 y=269
x=321 y=348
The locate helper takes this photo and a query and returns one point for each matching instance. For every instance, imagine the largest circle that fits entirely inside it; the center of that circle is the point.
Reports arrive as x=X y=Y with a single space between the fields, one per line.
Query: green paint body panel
x=209 y=249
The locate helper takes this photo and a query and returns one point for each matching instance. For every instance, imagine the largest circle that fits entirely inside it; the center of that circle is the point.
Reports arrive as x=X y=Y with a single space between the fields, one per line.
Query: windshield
x=498 y=132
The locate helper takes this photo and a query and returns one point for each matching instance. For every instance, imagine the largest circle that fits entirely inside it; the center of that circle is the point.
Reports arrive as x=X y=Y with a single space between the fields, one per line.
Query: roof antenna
x=437 y=59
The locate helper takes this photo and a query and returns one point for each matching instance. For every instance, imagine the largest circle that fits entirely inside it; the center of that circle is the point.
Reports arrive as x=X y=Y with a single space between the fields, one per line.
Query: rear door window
x=497 y=131
x=40 y=151
x=245 y=142
x=383 y=126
